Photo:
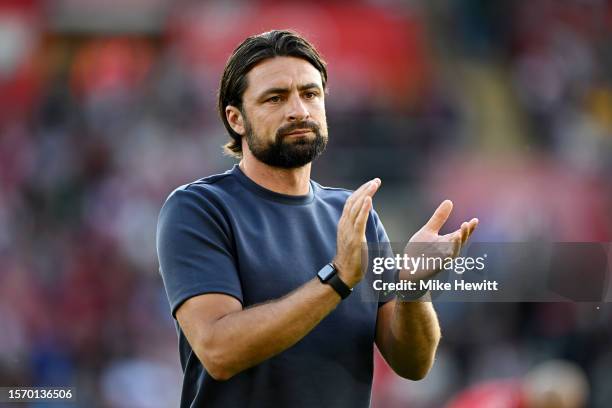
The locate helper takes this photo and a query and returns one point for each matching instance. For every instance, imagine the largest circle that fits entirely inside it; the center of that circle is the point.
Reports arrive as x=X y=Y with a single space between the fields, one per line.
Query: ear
x=235 y=119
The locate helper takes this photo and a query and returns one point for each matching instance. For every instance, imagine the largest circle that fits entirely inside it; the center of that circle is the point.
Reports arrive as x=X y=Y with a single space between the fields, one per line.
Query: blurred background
x=106 y=106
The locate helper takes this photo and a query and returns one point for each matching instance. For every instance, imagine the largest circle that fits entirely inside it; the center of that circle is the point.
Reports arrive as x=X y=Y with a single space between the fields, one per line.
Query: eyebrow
x=301 y=88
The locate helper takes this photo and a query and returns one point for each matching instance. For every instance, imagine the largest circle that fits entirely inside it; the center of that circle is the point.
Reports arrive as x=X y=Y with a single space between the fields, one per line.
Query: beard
x=287 y=152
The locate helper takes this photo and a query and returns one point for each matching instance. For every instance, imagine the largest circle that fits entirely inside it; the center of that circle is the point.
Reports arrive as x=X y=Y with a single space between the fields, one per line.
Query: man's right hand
x=351 y=233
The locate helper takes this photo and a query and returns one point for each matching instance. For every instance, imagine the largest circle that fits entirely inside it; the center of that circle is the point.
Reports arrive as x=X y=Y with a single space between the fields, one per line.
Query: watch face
x=326 y=273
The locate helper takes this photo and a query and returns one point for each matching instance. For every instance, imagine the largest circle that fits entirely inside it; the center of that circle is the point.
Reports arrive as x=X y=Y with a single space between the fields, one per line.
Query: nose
x=297 y=110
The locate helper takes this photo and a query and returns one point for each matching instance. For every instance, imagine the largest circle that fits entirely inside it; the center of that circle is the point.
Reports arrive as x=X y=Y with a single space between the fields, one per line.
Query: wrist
x=349 y=281
x=329 y=275
x=412 y=295
x=416 y=292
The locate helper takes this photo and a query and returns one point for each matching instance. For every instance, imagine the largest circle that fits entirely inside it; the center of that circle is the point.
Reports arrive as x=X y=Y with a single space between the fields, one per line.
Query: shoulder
x=331 y=194
x=206 y=189
x=205 y=195
x=194 y=210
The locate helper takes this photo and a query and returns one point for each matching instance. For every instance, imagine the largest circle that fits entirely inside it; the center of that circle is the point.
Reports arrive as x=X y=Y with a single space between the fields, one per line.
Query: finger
x=457 y=246
x=464 y=232
x=439 y=216
x=457 y=243
x=374 y=187
x=356 y=208
x=366 y=186
x=348 y=205
x=472 y=226
x=362 y=216
x=355 y=195
x=369 y=190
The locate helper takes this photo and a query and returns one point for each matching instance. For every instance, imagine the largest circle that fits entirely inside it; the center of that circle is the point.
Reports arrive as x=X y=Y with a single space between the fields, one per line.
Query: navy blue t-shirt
x=226 y=234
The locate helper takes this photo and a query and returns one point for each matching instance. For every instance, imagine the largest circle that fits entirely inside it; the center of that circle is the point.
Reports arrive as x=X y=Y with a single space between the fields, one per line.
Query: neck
x=283 y=181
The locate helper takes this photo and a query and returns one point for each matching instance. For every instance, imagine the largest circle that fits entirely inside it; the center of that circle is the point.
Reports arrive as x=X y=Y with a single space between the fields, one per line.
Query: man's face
x=283 y=112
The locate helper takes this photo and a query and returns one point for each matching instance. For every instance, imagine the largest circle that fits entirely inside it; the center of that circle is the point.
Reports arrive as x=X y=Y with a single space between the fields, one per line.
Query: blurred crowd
x=504 y=107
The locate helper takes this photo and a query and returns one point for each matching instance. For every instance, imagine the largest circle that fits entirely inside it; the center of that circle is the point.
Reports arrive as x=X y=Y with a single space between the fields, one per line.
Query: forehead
x=281 y=72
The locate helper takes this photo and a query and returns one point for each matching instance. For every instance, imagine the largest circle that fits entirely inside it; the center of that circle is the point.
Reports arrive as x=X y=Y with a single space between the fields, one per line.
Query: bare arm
x=407 y=335
x=228 y=339
x=408 y=332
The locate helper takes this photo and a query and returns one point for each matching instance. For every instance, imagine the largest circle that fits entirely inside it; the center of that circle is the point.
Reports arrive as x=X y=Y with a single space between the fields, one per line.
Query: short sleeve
x=384 y=250
x=194 y=248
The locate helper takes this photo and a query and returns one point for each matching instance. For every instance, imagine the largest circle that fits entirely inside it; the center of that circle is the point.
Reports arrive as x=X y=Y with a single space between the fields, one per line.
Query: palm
x=426 y=243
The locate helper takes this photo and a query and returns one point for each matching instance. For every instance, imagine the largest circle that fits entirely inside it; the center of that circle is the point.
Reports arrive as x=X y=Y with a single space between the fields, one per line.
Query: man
x=259 y=262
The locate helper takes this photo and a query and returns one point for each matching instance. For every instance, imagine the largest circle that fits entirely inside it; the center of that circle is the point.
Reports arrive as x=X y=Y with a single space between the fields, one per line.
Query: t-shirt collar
x=269 y=194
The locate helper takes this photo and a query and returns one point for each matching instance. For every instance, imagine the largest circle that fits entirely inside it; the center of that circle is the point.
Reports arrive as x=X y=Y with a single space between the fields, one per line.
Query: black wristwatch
x=329 y=275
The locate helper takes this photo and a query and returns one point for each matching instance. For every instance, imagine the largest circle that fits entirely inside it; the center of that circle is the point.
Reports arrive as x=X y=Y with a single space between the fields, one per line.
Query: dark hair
x=252 y=51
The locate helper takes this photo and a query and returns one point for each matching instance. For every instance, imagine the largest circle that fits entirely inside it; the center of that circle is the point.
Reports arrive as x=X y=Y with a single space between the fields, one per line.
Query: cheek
x=319 y=116
x=267 y=124
x=318 y=110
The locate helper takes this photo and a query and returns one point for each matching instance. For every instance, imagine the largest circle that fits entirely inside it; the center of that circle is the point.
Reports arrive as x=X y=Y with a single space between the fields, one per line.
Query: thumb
x=439 y=216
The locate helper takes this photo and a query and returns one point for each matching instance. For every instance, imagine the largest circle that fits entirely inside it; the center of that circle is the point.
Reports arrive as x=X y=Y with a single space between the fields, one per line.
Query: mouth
x=299 y=132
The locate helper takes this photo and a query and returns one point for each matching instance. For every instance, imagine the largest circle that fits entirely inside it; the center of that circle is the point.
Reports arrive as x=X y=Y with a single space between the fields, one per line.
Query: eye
x=274 y=99
x=310 y=95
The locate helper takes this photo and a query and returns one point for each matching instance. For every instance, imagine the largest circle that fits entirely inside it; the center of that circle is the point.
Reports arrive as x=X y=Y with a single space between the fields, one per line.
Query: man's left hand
x=428 y=244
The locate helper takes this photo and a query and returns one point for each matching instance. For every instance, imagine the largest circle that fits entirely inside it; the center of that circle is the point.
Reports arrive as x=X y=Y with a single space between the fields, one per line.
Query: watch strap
x=411 y=295
x=339 y=286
